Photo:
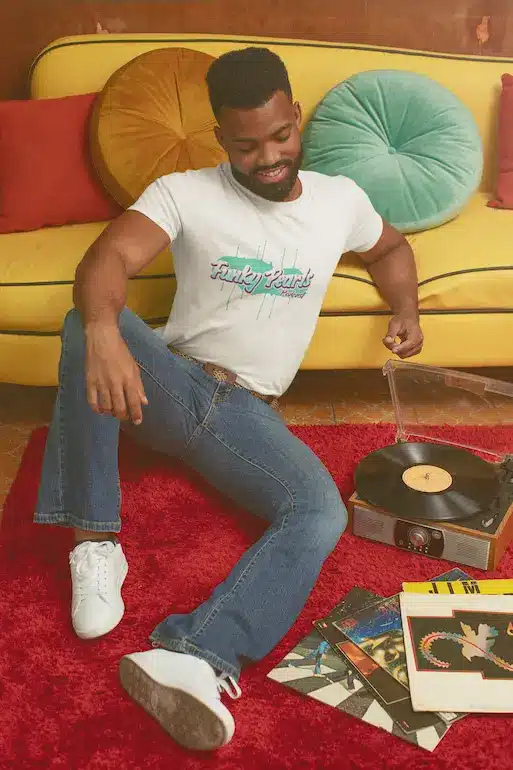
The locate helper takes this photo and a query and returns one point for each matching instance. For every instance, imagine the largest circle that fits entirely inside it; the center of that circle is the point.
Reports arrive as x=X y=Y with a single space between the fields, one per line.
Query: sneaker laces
x=228 y=685
x=89 y=562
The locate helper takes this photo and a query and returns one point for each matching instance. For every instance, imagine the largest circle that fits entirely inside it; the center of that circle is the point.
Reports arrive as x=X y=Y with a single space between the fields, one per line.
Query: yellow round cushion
x=153 y=117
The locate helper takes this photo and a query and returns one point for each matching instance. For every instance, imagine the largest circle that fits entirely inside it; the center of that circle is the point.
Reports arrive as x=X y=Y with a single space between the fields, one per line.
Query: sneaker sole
x=117 y=619
x=185 y=718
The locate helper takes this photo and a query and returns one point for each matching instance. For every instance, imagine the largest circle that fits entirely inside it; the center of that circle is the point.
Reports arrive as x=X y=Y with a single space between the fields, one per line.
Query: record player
x=427 y=494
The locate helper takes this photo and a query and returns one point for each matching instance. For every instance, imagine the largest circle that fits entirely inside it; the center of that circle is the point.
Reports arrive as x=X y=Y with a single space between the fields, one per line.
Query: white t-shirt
x=252 y=274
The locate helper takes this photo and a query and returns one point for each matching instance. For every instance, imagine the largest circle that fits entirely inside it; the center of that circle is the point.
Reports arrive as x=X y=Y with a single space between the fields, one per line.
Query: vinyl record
x=427 y=481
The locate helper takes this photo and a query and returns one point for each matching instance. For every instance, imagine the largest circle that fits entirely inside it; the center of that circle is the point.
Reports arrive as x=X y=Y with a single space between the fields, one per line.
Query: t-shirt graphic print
x=259 y=277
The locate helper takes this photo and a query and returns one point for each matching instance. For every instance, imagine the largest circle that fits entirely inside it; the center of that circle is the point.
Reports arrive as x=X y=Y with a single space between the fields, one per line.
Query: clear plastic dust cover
x=424 y=397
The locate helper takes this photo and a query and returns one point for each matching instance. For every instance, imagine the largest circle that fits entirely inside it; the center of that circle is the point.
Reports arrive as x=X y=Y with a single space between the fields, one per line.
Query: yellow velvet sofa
x=465 y=266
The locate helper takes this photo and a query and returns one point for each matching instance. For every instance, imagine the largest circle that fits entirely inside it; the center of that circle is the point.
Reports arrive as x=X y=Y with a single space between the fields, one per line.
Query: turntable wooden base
x=470 y=545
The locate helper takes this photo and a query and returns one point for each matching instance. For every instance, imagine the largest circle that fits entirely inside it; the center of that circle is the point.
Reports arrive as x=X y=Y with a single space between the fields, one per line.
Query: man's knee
x=325 y=510
x=72 y=333
x=334 y=518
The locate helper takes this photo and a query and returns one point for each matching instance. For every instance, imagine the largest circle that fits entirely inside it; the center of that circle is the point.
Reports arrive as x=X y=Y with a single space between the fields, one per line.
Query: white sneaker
x=98 y=570
x=182 y=693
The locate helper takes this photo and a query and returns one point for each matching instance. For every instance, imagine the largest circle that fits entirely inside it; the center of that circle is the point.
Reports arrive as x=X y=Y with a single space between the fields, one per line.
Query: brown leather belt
x=224 y=375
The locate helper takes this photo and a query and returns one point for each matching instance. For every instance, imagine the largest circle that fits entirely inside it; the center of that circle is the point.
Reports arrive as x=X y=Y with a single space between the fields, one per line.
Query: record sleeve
x=387 y=652
x=389 y=693
x=459 y=651
x=468 y=587
x=315 y=670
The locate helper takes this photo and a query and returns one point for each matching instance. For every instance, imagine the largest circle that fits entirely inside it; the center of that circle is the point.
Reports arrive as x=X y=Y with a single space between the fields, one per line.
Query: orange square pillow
x=504 y=191
x=46 y=175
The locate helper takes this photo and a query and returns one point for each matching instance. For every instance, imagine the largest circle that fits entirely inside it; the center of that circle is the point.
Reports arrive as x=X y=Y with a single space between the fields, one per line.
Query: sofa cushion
x=405 y=139
x=46 y=175
x=464 y=265
x=153 y=117
x=504 y=187
x=37 y=271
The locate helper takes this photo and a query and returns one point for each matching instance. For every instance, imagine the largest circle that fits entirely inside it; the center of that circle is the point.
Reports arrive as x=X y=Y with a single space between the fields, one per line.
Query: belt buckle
x=220 y=374
x=223 y=375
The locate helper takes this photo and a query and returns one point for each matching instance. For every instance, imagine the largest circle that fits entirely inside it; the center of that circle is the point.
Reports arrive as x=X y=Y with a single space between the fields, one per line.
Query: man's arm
x=113 y=379
x=392 y=266
x=127 y=245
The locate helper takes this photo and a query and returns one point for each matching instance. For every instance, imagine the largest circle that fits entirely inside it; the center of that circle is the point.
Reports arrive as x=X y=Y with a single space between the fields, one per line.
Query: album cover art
x=335 y=684
x=468 y=641
x=459 y=651
x=314 y=669
x=377 y=629
x=388 y=692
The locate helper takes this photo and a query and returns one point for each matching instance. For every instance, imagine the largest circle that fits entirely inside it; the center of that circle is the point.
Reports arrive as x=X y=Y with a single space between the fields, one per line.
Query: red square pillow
x=504 y=192
x=46 y=175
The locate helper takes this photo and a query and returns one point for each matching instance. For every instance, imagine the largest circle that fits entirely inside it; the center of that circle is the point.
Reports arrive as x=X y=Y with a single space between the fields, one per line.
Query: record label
x=427 y=478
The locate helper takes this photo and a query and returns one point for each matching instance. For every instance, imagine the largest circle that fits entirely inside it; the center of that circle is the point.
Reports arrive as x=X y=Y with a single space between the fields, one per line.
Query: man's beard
x=272 y=192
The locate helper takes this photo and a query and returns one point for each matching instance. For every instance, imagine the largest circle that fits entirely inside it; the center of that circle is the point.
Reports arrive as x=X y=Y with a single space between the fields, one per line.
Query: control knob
x=418 y=537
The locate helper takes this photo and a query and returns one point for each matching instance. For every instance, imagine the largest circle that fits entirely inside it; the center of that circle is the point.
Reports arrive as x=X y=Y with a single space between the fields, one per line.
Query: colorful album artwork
x=392 y=696
x=378 y=631
x=363 y=663
x=336 y=685
x=468 y=641
x=315 y=670
x=459 y=651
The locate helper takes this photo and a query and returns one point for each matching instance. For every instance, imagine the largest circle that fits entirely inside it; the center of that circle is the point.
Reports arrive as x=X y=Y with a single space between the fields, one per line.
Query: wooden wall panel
x=458 y=26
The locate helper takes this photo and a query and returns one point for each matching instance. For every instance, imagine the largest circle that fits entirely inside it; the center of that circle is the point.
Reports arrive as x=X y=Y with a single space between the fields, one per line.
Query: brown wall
x=458 y=26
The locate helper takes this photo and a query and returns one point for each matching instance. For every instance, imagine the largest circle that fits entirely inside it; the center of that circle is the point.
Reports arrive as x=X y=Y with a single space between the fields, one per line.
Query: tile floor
x=314 y=398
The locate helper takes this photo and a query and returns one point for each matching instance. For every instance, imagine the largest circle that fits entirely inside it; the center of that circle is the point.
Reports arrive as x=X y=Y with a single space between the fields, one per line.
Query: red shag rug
x=61 y=703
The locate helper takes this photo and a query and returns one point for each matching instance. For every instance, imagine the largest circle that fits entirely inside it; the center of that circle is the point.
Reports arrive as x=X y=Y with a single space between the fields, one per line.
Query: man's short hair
x=246 y=79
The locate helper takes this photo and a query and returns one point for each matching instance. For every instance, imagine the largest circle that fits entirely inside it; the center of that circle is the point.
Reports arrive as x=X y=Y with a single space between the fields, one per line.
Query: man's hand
x=410 y=335
x=113 y=379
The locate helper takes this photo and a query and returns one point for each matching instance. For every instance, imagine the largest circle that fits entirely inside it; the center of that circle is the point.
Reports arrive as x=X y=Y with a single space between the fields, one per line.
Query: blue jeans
x=240 y=445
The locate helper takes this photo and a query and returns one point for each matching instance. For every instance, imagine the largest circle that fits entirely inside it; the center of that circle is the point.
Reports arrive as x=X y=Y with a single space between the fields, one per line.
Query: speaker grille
x=466 y=549
x=373 y=526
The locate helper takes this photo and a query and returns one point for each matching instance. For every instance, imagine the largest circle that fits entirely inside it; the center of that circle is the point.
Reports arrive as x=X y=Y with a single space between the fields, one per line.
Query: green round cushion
x=403 y=138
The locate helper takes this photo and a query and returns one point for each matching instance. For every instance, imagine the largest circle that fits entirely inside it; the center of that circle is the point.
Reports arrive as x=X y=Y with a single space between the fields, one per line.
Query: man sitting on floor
x=255 y=244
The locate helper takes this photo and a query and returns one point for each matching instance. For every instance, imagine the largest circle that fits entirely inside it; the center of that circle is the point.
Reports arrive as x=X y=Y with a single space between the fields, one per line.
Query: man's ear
x=298 y=113
x=219 y=137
